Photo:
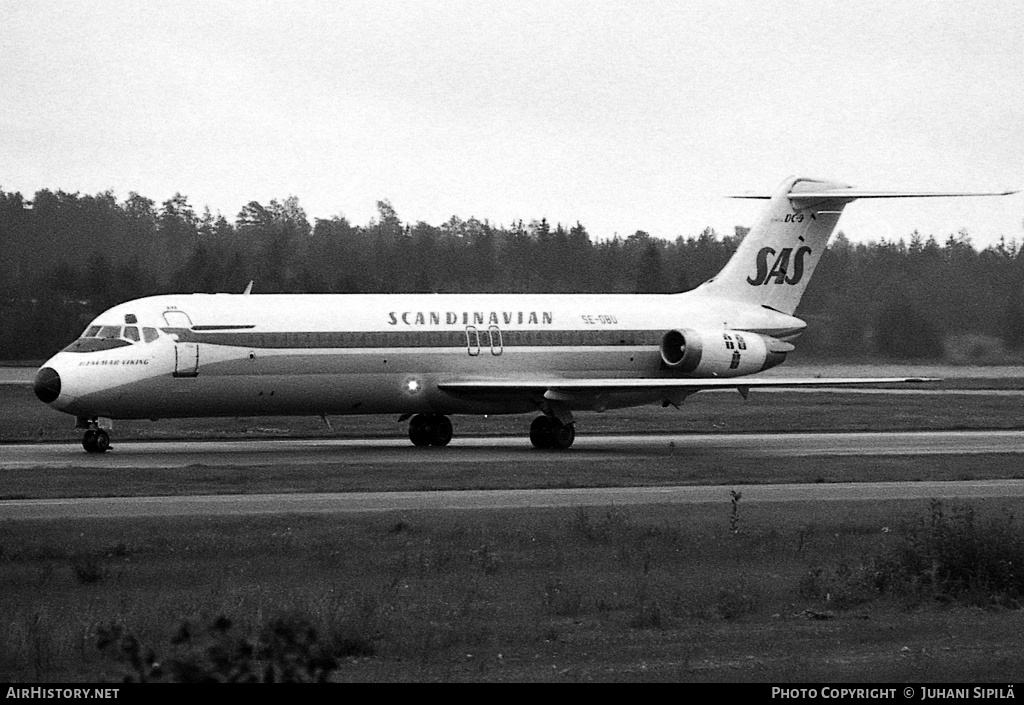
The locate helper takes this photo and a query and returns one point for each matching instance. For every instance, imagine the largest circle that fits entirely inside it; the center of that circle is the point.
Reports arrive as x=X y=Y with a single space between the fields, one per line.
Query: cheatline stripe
x=426 y=338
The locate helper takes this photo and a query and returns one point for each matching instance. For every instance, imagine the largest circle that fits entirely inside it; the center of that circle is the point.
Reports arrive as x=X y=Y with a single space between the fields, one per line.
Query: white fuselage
x=228 y=355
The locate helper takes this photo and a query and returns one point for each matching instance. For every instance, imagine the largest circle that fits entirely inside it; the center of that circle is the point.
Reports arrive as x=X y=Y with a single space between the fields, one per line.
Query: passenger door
x=186 y=354
x=186 y=360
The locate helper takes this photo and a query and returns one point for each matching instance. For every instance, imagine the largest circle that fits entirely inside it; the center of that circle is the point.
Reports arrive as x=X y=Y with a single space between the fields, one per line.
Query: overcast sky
x=620 y=115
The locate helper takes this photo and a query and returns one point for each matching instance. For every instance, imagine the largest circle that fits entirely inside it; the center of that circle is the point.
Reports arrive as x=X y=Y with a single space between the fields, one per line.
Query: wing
x=554 y=386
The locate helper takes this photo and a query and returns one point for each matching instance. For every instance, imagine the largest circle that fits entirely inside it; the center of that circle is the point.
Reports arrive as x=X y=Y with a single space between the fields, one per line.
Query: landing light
x=413 y=386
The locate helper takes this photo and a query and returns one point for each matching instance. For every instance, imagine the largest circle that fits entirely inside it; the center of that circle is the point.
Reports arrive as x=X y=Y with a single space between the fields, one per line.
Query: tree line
x=65 y=257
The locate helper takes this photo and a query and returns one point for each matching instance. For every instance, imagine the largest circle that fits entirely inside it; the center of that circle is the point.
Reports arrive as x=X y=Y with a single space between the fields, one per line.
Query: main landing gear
x=549 y=433
x=430 y=430
x=546 y=432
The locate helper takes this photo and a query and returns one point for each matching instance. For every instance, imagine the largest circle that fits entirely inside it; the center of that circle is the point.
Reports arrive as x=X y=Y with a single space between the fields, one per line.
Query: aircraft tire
x=563 y=435
x=440 y=431
x=548 y=433
x=419 y=431
x=96 y=441
x=430 y=430
x=540 y=432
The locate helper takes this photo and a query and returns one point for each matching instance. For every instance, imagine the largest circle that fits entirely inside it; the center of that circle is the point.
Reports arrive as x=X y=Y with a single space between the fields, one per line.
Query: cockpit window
x=98 y=341
x=125 y=334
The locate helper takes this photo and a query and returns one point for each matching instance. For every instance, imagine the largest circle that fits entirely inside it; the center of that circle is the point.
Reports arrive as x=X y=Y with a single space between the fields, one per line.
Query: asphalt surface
x=587 y=449
x=362 y=502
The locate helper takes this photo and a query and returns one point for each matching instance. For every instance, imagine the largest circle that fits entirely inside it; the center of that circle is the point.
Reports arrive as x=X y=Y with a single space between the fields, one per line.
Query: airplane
x=429 y=356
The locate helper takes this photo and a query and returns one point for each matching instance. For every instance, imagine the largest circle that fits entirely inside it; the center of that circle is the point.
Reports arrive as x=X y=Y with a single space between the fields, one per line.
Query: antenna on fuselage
x=248 y=289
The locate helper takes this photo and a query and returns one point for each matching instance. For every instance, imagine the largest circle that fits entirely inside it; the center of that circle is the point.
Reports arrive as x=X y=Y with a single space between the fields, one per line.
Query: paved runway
x=396 y=451
x=362 y=502
x=588 y=449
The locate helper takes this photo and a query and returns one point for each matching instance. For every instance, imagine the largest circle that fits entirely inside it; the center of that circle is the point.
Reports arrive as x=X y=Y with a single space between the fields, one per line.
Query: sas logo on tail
x=779 y=273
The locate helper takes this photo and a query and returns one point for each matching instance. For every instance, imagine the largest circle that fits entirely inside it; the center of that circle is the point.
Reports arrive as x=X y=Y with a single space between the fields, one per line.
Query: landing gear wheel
x=430 y=430
x=540 y=431
x=563 y=436
x=96 y=440
x=441 y=431
x=419 y=432
x=551 y=434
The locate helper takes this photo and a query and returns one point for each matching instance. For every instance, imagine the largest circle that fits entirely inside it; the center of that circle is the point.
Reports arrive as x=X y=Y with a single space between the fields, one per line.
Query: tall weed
x=952 y=556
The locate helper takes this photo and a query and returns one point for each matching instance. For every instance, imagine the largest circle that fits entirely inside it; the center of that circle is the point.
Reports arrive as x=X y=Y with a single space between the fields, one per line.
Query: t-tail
x=776 y=259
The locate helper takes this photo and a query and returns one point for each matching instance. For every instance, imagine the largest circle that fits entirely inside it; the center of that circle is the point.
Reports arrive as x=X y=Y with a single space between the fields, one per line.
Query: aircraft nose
x=47 y=385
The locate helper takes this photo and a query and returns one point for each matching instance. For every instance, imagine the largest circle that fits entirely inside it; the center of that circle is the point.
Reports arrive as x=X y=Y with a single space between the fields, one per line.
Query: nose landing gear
x=95 y=440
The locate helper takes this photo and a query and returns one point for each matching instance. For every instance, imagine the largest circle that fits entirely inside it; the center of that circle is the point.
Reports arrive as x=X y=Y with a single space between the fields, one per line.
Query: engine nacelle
x=720 y=353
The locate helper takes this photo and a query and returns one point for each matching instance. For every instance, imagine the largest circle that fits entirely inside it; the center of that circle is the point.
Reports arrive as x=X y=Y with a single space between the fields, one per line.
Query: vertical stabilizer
x=776 y=259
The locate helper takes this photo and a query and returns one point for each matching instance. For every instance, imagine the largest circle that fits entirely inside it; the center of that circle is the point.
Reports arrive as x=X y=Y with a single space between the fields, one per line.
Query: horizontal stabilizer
x=851 y=194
